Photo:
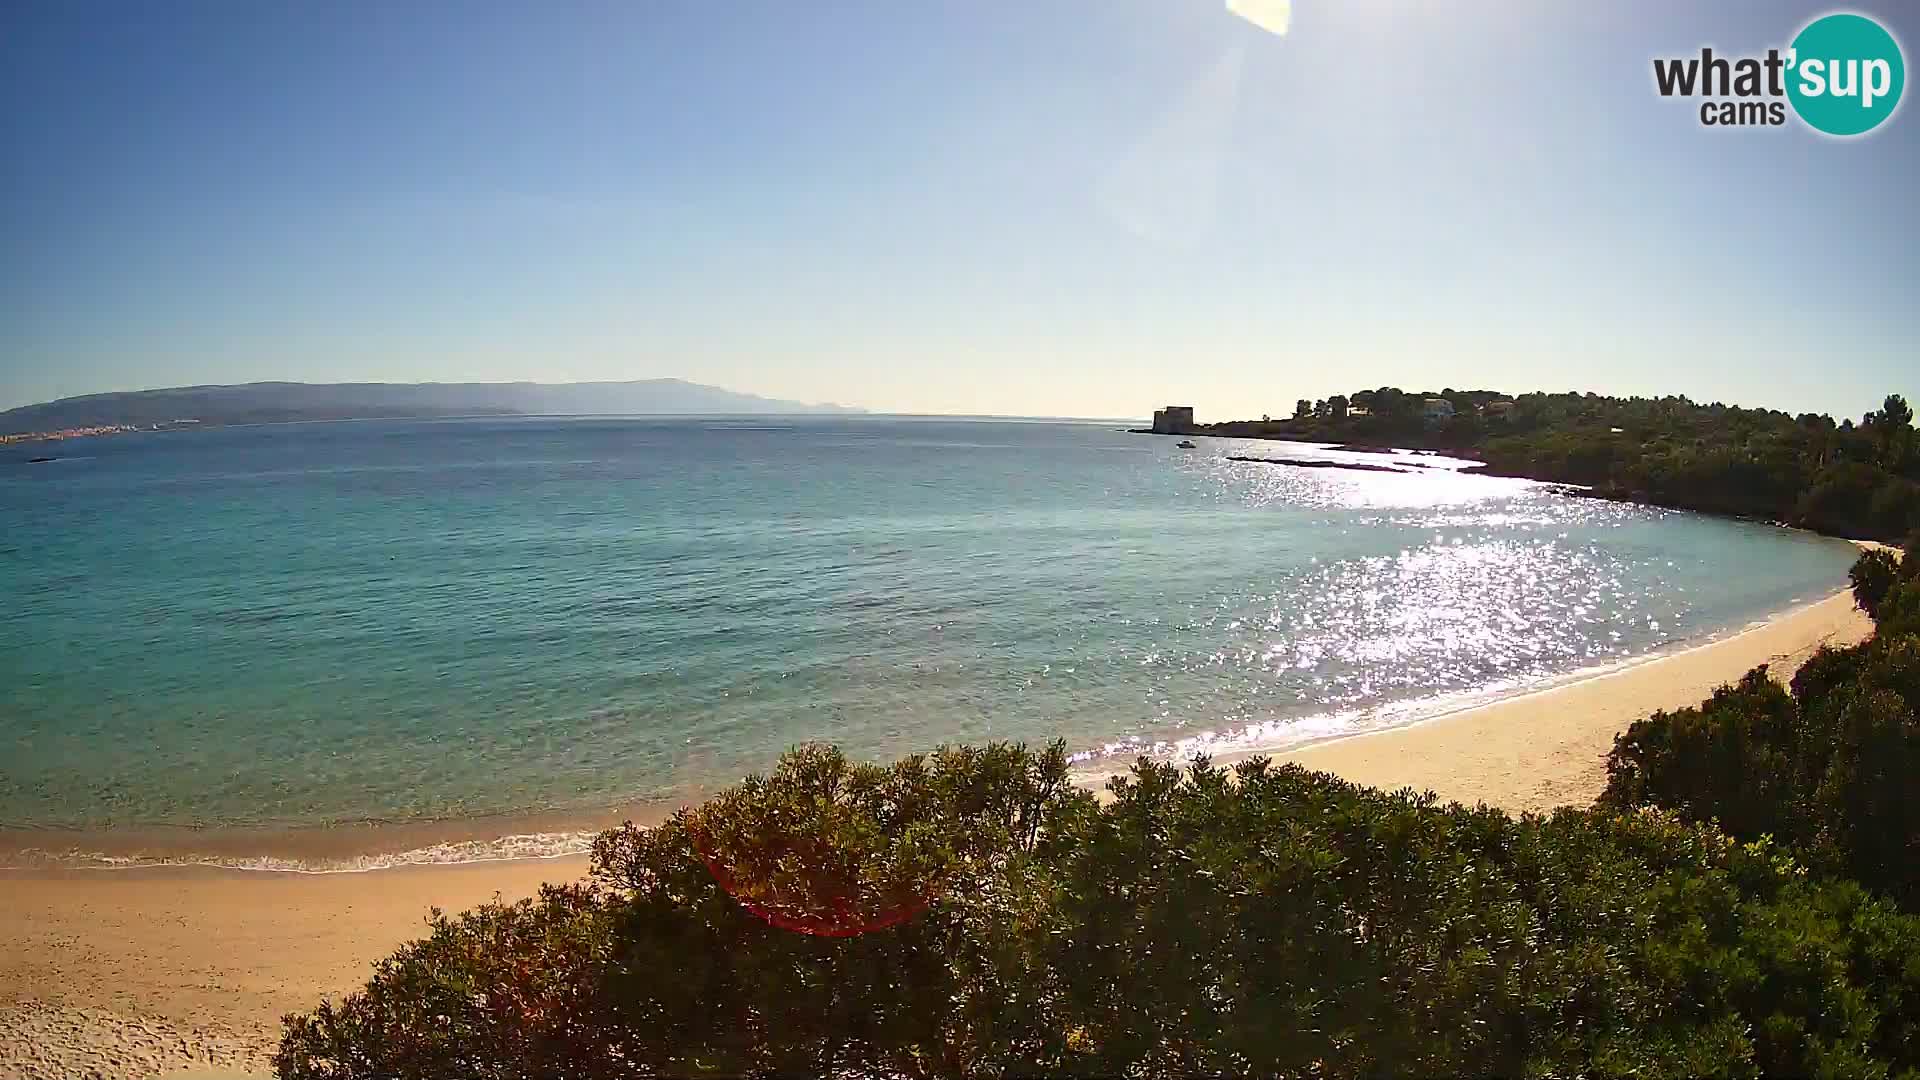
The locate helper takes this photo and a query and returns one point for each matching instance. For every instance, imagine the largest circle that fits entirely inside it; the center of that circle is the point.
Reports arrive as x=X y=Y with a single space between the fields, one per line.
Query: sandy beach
x=1548 y=749
x=146 y=972
x=139 y=972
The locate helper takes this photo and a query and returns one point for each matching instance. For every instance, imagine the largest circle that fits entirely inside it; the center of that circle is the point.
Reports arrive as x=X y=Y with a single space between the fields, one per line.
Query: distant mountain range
x=281 y=402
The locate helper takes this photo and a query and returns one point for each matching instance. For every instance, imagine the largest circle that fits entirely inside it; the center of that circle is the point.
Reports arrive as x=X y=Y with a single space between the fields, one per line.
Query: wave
x=518 y=846
x=1090 y=768
x=1092 y=765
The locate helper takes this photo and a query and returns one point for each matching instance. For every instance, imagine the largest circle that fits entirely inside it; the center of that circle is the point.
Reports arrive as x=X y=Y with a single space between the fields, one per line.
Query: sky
x=1085 y=208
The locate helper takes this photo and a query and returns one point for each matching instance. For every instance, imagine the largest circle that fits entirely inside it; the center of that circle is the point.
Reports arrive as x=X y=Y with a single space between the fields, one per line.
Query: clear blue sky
x=1086 y=208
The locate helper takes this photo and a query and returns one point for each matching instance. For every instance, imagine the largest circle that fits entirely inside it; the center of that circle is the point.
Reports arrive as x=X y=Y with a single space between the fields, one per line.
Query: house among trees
x=1437 y=408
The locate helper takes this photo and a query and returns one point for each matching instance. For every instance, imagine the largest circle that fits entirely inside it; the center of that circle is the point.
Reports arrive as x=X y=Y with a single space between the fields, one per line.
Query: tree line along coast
x=1855 y=479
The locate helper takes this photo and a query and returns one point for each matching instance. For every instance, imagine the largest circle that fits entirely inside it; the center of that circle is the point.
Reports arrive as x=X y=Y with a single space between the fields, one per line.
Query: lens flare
x=1269 y=15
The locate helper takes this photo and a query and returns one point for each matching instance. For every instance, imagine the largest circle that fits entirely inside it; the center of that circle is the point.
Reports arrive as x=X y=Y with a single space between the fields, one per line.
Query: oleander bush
x=1263 y=921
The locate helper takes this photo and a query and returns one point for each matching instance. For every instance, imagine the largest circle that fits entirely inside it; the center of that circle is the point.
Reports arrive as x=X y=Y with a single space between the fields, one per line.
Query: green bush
x=683 y=978
x=1734 y=760
x=1873 y=575
x=1270 y=921
x=972 y=913
x=1900 y=612
x=1824 y=768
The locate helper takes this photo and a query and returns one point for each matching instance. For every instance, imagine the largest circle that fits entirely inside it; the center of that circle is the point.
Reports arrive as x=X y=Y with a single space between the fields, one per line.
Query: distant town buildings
x=1438 y=408
x=1502 y=408
x=67 y=433
x=84 y=432
x=1173 y=420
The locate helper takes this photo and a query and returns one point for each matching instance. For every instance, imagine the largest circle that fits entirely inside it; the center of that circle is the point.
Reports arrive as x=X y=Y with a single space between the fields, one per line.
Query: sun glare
x=1269 y=15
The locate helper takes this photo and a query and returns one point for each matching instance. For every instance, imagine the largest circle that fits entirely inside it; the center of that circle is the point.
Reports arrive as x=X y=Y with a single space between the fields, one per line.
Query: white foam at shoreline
x=1296 y=732
x=1091 y=767
x=545 y=845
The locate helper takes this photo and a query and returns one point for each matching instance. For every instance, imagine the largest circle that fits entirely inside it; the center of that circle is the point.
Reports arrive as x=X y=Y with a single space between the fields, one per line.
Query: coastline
x=1475 y=453
x=1542 y=750
x=191 y=965
x=309 y=850
x=167 y=966
x=359 y=847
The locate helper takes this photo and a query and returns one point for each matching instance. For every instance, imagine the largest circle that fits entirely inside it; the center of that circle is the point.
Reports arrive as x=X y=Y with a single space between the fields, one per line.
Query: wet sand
x=165 y=968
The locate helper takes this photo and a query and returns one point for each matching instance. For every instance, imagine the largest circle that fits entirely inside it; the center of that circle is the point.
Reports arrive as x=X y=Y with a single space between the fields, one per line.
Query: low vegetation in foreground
x=1738 y=904
x=1859 y=480
x=1826 y=765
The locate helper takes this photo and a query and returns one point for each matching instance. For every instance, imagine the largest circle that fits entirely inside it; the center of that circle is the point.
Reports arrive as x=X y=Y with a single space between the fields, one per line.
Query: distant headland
x=1857 y=480
x=288 y=402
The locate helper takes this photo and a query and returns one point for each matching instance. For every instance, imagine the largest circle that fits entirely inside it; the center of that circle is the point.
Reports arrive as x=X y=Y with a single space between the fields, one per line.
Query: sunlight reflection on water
x=486 y=617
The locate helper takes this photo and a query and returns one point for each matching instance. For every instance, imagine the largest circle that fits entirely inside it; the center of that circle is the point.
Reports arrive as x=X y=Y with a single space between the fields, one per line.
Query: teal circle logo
x=1845 y=74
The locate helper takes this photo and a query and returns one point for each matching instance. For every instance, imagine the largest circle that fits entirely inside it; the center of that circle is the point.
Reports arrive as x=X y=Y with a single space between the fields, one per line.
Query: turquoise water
x=387 y=621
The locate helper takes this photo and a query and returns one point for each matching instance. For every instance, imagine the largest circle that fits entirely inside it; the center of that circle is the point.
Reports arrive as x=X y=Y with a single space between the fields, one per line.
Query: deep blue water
x=341 y=622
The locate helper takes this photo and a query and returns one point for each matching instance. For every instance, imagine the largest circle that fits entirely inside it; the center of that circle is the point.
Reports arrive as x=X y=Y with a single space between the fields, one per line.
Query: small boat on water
x=1184 y=444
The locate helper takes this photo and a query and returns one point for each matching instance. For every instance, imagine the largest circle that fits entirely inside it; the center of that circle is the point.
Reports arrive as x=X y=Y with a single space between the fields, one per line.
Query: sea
x=430 y=641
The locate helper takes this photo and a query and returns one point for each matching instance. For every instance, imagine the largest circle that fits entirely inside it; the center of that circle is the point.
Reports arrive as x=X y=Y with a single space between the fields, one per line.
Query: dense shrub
x=972 y=913
x=1900 y=613
x=1272 y=921
x=1734 y=760
x=1899 y=608
x=685 y=978
x=1825 y=768
x=1873 y=576
x=1879 y=577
